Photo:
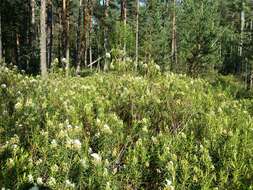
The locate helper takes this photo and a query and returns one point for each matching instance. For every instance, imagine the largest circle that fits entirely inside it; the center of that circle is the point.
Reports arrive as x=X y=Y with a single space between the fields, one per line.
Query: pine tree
x=155 y=32
x=199 y=34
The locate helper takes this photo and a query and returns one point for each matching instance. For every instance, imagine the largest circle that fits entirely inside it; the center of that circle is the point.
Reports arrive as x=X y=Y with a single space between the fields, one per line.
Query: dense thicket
x=191 y=36
x=124 y=131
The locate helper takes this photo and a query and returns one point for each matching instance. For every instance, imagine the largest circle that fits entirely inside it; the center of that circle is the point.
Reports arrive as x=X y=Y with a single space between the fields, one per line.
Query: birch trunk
x=242 y=41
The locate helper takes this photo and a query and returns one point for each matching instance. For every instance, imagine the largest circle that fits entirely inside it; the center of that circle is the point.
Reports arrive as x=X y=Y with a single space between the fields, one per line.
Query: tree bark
x=78 y=33
x=18 y=49
x=242 y=22
x=49 y=33
x=124 y=20
x=33 y=32
x=174 y=38
x=137 y=33
x=251 y=38
x=43 y=39
x=90 y=31
x=65 y=22
x=242 y=41
x=1 y=47
x=60 y=37
x=86 y=31
x=106 y=4
x=242 y=28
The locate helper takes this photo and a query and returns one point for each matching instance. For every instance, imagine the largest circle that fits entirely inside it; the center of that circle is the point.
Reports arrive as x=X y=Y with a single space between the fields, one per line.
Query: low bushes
x=110 y=131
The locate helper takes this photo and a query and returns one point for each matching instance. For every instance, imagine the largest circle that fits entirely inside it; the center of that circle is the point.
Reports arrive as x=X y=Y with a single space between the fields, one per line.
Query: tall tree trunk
x=242 y=28
x=67 y=44
x=106 y=4
x=78 y=33
x=18 y=49
x=174 y=38
x=33 y=33
x=27 y=29
x=60 y=37
x=242 y=17
x=1 y=47
x=65 y=22
x=242 y=41
x=124 y=20
x=83 y=45
x=86 y=31
x=33 y=14
x=49 y=33
x=43 y=40
x=137 y=33
x=90 y=30
x=251 y=38
x=28 y=36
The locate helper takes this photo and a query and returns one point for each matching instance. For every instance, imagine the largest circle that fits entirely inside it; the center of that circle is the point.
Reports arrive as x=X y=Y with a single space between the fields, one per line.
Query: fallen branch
x=98 y=59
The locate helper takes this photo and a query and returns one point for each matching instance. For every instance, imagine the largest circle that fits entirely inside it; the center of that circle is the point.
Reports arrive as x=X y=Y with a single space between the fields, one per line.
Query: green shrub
x=122 y=131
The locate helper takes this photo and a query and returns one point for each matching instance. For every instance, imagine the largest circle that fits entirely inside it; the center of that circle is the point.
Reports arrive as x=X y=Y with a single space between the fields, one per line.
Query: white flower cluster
x=69 y=126
x=62 y=134
x=53 y=143
x=39 y=181
x=52 y=181
x=157 y=67
x=54 y=168
x=128 y=59
x=168 y=184
x=154 y=139
x=108 y=55
x=3 y=86
x=3 y=188
x=64 y=60
x=108 y=186
x=10 y=163
x=145 y=65
x=96 y=158
x=18 y=105
x=145 y=129
x=106 y=129
x=74 y=144
x=69 y=184
x=38 y=162
x=30 y=178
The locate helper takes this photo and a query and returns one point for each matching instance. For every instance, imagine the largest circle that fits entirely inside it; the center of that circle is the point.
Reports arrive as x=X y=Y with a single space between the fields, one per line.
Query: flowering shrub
x=110 y=131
